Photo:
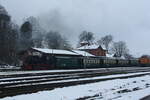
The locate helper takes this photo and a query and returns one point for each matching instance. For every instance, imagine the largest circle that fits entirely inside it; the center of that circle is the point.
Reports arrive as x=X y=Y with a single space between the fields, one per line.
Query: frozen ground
x=118 y=89
x=8 y=67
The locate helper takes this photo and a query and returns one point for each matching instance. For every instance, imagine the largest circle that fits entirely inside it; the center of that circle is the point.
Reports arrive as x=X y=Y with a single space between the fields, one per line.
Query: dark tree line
x=8 y=38
x=14 y=38
x=32 y=35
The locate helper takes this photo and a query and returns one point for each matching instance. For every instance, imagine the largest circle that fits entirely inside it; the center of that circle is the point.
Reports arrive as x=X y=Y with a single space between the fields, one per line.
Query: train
x=62 y=62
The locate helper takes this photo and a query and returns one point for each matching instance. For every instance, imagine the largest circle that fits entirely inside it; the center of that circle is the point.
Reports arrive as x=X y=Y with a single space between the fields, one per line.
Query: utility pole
x=84 y=57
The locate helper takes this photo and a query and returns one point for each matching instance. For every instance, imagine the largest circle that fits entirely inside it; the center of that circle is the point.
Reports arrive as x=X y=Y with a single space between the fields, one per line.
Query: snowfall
x=117 y=89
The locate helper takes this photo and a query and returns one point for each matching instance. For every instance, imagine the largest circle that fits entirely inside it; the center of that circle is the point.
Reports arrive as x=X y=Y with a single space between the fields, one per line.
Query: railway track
x=29 y=82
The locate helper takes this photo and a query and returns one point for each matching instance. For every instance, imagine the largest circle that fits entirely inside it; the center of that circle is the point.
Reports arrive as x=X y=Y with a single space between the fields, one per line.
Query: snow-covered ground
x=8 y=67
x=118 y=89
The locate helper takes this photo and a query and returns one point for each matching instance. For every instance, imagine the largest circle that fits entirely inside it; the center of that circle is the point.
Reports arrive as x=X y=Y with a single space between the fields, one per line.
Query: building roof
x=93 y=46
x=104 y=48
x=110 y=55
x=83 y=53
x=55 y=51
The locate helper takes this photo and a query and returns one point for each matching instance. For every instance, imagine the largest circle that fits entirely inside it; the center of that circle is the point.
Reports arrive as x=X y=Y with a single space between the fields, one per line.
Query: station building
x=94 y=49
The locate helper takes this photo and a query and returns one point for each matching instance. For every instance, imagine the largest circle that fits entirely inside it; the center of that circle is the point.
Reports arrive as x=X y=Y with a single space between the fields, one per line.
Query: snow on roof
x=103 y=47
x=55 y=51
x=110 y=55
x=93 y=46
x=83 y=53
x=122 y=57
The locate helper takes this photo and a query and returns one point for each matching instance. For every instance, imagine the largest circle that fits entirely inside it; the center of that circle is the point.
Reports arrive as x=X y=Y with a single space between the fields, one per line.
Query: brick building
x=94 y=49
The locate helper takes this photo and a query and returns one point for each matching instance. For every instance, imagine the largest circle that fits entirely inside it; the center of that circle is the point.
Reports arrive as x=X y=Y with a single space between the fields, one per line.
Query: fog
x=127 y=20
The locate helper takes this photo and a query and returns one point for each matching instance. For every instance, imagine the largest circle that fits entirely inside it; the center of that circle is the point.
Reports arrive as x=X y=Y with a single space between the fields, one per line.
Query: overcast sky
x=127 y=20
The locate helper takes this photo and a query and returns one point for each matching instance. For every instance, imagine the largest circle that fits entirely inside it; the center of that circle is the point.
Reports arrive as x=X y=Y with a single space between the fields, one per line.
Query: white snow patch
x=106 y=90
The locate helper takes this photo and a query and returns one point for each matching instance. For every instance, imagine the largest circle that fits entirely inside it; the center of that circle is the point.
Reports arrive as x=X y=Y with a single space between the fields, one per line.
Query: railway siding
x=20 y=84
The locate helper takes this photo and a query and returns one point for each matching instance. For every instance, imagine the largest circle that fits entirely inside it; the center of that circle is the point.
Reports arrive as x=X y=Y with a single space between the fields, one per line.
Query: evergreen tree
x=8 y=38
x=26 y=41
x=37 y=32
x=55 y=41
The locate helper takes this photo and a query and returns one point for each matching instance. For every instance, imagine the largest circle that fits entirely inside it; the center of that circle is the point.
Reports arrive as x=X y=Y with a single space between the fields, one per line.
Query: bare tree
x=119 y=49
x=128 y=56
x=106 y=40
x=86 y=37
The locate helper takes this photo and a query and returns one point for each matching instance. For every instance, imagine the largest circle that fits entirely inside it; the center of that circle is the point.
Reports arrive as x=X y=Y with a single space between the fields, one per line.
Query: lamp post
x=65 y=47
x=52 y=49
